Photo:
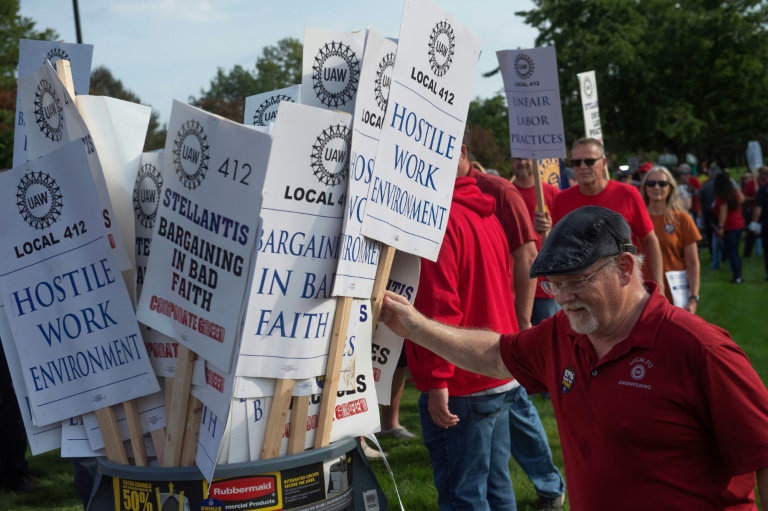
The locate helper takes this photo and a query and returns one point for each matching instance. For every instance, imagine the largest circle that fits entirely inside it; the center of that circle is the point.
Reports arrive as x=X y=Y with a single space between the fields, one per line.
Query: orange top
x=673 y=238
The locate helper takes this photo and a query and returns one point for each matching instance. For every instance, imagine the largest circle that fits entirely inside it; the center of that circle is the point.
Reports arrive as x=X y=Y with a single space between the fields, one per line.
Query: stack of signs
x=331 y=68
x=78 y=342
x=533 y=99
x=412 y=183
x=590 y=105
x=261 y=109
x=33 y=54
x=359 y=256
x=44 y=98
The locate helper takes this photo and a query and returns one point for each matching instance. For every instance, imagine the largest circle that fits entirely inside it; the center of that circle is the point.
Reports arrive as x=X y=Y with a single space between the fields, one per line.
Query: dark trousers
x=13 y=447
x=731 y=246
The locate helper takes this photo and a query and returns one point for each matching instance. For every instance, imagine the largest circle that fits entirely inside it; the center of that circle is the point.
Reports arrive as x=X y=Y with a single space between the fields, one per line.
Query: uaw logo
x=56 y=55
x=669 y=228
x=38 y=198
x=267 y=110
x=48 y=114
x=523 y=66
x=146 y=194
x=330 y=155
x=335 y=74
x=441 y=46
x=568 y=379
x=639 y=368
x=384 y=80
x=587 y=88
x=190 y=154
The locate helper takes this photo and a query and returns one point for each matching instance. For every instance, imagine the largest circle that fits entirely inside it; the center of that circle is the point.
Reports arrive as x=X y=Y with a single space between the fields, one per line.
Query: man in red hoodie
x=464 y=415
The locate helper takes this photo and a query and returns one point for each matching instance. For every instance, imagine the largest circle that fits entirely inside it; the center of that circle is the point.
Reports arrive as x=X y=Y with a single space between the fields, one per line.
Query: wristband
x=694 y=297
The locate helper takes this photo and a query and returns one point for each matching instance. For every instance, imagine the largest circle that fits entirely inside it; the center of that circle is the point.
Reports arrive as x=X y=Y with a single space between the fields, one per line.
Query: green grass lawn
x=737 y=308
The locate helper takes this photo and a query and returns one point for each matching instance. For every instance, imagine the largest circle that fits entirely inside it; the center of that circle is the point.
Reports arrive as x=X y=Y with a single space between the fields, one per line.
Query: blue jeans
x=731 y=247
x=530 y=447
x=470 y=461
x=717 y=252
x=543 y=308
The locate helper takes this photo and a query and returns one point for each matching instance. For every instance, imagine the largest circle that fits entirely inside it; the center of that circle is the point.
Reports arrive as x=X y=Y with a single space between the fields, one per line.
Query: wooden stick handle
x=299 y=415
x=278 y=413
x=176 y=415
x=112 y=440
x=137 y=435
x=380 y=283
x=539 y=193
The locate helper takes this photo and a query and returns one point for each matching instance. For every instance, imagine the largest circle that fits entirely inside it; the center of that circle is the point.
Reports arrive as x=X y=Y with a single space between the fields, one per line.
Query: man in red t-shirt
x=588 y=159
x=544 y=305
x=656 y=408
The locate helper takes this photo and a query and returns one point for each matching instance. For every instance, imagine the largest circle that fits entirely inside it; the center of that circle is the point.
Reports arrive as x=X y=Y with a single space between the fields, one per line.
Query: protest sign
x=290 y=307
x=58 y=122
x=386 y=347
x=74 y=441
x=679 y=287
x=330 y=70
x=43 y=439
x=204 y=232
x=210 y=441
x=359 y=256
x=81 y=348
x=238 y=432
x=533 y=100
x=261 y=109
x=412 y=183
x=590 y=105
x=549 y=171
x=118 y=129
x=32 y=54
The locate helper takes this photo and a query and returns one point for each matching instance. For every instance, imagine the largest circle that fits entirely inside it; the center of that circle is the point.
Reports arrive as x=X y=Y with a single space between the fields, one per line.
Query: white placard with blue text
x=409 y=197
x=32 y=54
x=77 y=337
x=330 y=71
x=261 y=109
x=533 y=100
x=590 y=105
x=290 y=308
x=204 y=233
x=359 y=256
x=43 y=97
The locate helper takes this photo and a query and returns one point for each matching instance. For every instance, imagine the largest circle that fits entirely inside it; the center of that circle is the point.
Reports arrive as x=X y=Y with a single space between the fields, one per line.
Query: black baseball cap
x=580 y=239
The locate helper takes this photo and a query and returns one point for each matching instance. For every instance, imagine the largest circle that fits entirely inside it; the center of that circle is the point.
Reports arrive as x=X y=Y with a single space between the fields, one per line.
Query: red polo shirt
x=673 y=417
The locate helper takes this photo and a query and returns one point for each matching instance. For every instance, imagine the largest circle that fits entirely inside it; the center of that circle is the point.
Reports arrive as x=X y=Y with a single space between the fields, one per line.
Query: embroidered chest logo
x=669 y=228
x=568 y=379
x=638 y=370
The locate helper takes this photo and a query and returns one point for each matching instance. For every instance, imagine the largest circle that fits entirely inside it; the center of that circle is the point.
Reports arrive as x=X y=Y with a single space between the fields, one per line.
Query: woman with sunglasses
x=730 y=222
x=676 y=230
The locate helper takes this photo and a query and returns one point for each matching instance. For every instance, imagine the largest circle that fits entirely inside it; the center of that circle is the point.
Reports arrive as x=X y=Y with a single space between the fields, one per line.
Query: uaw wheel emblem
x=637 y=372
x=267 y=110
x=56 y=55
x=190 y=154
x=335 y=74
x=523 y=66
x=587 y=88
x=384 y=80
x=330 y=155
x=48 y=114
x=146 y=194
x=38 y=198
x=441 y=46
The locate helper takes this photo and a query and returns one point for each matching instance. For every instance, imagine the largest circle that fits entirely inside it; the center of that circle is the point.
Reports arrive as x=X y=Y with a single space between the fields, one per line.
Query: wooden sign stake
x=278 y=413
x=539 y=193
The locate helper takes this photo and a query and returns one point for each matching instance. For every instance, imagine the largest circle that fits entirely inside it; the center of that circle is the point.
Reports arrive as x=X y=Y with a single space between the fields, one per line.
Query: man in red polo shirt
x=656 y=408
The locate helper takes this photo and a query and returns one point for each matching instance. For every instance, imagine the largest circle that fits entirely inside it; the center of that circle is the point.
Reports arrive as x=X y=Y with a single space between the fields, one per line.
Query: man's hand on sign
x=438 y=409
x=399 y=315
x=542 y=223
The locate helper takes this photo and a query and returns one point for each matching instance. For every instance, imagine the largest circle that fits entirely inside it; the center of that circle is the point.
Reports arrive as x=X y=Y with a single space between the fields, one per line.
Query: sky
x=170 y=49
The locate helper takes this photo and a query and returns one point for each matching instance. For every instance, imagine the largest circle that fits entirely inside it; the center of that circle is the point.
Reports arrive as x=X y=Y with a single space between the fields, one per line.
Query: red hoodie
x=468 y=286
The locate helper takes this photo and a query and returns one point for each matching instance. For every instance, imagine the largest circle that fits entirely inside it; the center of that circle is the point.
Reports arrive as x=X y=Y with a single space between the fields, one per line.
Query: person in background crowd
x=706 y=199
x=730 y=223
x=544 y=305
x=759 y=223
x=640 y=174
x=571 y=176
x=588 y=158
x=749 y=190
x=623 y=176
x=683 y=190
x=656 y=408
x=694 y=185
x=676 y=230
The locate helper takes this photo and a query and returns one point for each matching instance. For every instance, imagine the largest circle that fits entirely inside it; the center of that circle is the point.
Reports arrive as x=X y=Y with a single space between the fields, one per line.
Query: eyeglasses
x=651 y=184
x=587 y=161
x=570 y=285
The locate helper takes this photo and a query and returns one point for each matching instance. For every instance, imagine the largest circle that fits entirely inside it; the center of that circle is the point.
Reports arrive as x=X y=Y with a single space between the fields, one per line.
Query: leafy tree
x=12 y=28
x=278 y=66
x=677 y=76
x=103 y=83
x=488 y=125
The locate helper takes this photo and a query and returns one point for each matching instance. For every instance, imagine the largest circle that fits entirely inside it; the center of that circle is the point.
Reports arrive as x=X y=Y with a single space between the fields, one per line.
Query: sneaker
x=398 y=432
x=738 y=280
x=555 y=504
x=371 y=453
